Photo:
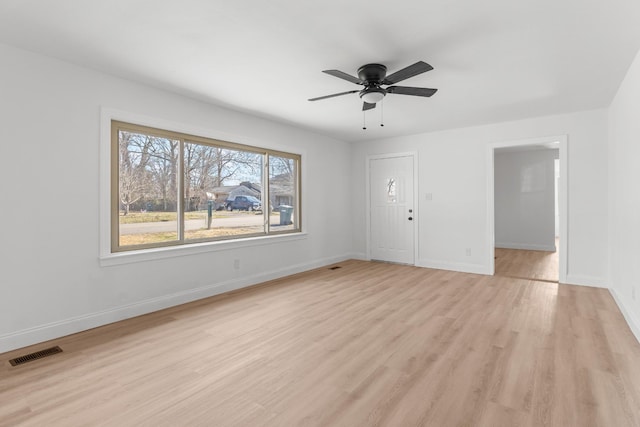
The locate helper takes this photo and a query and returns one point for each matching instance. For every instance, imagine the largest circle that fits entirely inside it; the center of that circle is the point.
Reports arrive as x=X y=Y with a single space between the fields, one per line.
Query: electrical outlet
x=468 y=251
x=633 y=293
x=428 y=196
x=236 y=264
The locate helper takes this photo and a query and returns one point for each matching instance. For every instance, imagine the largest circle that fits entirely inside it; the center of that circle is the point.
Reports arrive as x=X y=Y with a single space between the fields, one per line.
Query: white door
x=391 y=209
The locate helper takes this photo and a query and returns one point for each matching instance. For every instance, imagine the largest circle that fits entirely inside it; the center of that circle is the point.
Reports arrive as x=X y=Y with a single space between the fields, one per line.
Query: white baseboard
x=76 y=324
x=632 y=320
x=453 y=266
x=596 y=282
x=526 y=246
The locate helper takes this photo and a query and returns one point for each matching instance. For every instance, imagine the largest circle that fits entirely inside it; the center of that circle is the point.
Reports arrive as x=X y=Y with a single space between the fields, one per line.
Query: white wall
x=52 y=282
x=452 y=166
x=525 y=199
x=624 y=203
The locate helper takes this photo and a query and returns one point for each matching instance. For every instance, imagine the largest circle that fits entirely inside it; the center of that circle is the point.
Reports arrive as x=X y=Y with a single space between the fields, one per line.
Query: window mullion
x=181 y=183
x=298 y=193
x=266 y=201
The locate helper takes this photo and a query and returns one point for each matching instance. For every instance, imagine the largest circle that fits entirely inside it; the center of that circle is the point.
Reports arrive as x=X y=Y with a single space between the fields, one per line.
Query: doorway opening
x=527 y=209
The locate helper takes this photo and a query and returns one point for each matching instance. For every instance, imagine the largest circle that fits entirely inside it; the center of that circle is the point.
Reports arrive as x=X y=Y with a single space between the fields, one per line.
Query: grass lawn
x=203 y=233
x=141 y=217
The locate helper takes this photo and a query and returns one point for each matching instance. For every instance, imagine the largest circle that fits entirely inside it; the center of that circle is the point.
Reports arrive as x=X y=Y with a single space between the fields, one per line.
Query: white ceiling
x=494 y=60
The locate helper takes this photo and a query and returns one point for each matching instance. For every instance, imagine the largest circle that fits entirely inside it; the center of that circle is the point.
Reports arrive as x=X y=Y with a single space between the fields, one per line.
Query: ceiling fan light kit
x=372 y=95
x=374 y=76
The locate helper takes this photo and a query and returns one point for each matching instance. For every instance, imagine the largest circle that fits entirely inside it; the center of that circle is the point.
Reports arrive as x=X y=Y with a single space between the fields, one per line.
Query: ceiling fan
x=374 y=76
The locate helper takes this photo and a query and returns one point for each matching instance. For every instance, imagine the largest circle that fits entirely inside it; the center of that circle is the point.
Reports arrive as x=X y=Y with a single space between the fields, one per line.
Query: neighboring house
x=247 y=189
x=281 y=191
x=220 y=194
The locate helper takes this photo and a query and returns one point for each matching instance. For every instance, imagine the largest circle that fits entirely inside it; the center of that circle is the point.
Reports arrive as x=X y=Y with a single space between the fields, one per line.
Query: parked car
x=243 y=203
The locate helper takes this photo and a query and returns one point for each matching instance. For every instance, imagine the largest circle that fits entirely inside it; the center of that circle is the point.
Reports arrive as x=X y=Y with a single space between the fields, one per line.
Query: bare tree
x=133 y=176
x=207 y=167
x=231 y=163
x=164 y=168
x=281 y=166
x=148 y=170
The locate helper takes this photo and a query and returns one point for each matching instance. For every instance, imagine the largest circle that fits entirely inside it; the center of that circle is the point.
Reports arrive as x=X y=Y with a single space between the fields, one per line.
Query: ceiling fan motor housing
x=372 y=74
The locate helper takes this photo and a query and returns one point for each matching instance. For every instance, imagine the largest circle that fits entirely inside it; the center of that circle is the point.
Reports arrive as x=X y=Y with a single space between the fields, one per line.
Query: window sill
x=196 y=248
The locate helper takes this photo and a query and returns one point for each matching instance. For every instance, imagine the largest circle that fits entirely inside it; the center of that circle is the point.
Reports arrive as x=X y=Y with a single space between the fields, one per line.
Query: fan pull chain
x=382 y=113
x=364 y=122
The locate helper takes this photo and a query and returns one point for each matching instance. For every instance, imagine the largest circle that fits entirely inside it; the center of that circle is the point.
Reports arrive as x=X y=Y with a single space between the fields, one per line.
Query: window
x=169 y=188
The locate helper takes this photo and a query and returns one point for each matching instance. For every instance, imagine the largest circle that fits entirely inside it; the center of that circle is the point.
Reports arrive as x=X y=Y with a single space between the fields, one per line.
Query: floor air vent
x=335 y=268
x=35 y=356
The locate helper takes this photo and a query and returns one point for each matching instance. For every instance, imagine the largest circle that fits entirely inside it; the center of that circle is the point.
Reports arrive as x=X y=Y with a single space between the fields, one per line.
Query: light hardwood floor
x=523 y=264
x=368 y=344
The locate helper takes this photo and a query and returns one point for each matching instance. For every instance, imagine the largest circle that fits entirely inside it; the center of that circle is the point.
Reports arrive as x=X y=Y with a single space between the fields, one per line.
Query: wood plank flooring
x=369 y=344
x=524 y=264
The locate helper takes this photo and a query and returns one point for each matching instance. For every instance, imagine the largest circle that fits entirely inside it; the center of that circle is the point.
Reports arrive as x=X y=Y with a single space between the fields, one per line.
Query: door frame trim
x=414 y=157
x=563 y=197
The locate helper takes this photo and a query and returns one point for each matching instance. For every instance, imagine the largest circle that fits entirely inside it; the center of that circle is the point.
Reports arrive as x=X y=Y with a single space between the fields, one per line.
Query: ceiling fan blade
x=339 y=74
x=335 y=94
x=415 y=91
x=410 y=71
x=366 y=106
